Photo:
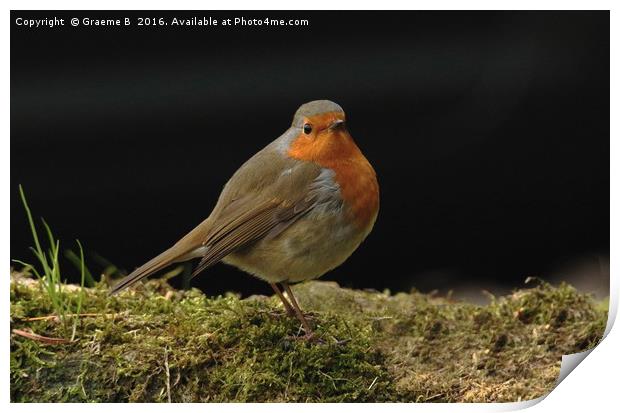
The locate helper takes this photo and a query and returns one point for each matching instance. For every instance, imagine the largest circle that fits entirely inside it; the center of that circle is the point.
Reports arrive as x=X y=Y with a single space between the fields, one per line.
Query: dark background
x=489 y=132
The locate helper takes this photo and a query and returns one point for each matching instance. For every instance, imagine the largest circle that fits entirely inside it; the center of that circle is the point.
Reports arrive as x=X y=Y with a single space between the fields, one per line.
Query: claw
x=309 y=337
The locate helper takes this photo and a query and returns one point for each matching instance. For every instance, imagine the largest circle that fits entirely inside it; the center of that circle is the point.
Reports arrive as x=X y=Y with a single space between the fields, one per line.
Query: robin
x=294 y=211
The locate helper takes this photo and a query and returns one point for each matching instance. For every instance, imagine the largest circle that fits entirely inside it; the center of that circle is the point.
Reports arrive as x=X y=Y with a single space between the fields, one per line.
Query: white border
x=591 y=386
x=312 y=5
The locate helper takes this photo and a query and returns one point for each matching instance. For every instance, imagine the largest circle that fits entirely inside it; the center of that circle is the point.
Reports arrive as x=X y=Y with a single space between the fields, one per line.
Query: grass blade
x=78 y=308
x=78 y=262
x=33 y=229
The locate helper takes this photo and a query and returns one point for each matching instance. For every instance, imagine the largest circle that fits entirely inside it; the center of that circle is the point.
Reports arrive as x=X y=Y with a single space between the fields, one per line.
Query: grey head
x=315 y=107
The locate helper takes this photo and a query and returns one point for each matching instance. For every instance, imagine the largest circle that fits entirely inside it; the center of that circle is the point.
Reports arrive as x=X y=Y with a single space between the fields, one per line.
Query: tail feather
x=161 y=261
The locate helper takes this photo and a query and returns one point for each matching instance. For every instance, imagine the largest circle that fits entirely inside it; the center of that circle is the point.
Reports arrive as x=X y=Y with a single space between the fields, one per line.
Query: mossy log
x=153 y=343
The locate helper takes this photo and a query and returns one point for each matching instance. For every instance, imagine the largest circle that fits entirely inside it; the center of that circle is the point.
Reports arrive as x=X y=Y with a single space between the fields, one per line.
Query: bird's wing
x=246 y=213
x=266 y=194
x=250 y=224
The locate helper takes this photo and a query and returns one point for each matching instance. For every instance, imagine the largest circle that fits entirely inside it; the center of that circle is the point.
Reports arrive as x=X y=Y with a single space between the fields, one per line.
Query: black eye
x=307 y=128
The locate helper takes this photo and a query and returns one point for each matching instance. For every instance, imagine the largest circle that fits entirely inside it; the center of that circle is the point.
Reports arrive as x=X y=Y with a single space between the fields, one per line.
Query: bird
x=294 y=211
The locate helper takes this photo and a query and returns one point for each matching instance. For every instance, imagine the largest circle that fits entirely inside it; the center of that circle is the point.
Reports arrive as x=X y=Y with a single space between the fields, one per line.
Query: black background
x=489 y=132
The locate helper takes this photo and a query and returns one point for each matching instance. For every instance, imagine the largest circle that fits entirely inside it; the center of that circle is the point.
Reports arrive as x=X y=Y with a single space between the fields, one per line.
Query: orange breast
x=354 y=174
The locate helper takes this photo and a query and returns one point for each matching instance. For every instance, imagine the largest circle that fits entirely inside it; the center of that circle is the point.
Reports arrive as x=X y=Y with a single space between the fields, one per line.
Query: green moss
x=157 y=344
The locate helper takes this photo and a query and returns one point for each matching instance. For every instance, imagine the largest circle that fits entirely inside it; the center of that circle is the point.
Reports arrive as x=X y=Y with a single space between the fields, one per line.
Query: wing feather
x=262 y=198
x=248 y=227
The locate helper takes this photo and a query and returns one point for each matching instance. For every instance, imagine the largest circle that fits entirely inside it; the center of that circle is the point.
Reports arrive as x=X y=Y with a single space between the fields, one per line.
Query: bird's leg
x=287 y=305
x=298 y=312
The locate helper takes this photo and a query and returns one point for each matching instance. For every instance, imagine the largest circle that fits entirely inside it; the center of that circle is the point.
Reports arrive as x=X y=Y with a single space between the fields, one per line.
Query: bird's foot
x=342 y=342
x=291 y=313
x=311 y=316
x=280 y=313
x=310 y=337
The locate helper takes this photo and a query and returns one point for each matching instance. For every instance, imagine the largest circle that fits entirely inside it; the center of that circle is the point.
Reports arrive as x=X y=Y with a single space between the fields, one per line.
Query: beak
x=336 y=124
